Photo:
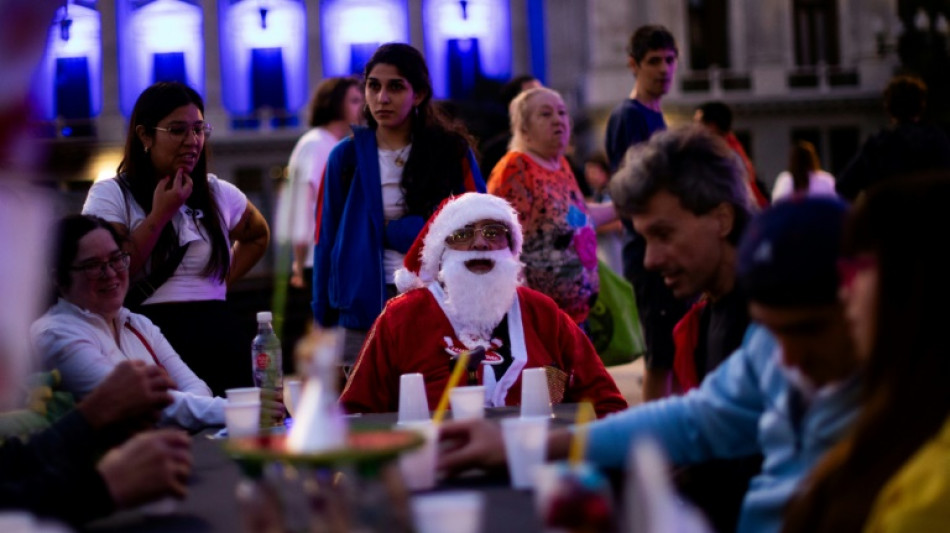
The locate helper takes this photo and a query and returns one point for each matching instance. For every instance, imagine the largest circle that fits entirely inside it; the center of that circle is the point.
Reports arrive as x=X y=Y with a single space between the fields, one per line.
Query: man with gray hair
x=684 y=192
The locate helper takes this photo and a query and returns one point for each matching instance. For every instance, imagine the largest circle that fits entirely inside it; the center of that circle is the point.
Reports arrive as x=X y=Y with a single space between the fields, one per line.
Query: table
x=211 y=505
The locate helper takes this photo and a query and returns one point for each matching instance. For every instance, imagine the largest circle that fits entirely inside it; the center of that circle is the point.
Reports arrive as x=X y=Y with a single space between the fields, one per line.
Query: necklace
x=401 y=156
x=400 y=159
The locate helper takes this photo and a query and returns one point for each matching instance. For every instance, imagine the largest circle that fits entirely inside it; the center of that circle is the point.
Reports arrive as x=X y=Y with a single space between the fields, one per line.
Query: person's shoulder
x=106 y=186
x=536 y=300
x=410 y=300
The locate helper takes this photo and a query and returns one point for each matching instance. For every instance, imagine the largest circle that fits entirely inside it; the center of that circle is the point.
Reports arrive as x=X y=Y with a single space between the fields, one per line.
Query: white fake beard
x=477 y=303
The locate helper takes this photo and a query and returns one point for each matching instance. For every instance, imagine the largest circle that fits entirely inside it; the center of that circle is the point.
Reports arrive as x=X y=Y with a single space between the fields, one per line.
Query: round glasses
x=97 y=269
x=493 y=233
x=201 y=130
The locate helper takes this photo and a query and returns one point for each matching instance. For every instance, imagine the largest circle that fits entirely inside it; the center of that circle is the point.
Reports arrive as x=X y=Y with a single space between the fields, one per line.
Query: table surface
x=211 y=505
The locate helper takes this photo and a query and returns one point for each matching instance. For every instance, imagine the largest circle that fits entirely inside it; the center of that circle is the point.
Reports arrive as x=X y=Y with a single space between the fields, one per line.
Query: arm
x=603 y=213
x=657 y=383
x=251 y=236
x=369 y=388
x=170 y=194
x=718 y=420
x=330 y=203
x=589 y=379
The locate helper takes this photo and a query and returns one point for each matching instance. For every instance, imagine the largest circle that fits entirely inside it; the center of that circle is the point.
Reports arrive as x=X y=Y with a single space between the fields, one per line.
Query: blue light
x=84 y=43
x=157 y=27
x=244 y=30
x=351 y=27
x=486 y=21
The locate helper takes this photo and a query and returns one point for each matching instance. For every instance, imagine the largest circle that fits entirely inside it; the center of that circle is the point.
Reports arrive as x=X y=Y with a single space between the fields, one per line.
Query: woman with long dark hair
x=180 y=222
x=892 y=473
x=380 y=187
x=804 y=176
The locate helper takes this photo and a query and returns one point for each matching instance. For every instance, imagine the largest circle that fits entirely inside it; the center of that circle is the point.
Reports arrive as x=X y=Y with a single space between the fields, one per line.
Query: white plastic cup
x=458 y=512
x=413 y=403
x=535 y=398
x=244 y=394
x=468 y=403
x=525 y=448
x=293 y=388
x=243 y=419
x=418 y=466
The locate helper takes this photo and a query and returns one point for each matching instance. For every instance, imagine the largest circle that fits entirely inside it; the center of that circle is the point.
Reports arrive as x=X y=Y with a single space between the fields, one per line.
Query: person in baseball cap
x=462 y=290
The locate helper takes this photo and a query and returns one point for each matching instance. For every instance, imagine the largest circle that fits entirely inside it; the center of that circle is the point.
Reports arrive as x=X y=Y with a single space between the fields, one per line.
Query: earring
x=415 y=109
x=146 y=149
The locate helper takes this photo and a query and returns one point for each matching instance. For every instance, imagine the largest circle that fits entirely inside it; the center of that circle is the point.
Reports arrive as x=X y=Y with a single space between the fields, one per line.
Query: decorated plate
x=363 y=445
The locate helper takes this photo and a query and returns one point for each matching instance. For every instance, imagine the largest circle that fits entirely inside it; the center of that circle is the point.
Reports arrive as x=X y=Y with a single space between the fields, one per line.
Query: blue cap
x=788 y=255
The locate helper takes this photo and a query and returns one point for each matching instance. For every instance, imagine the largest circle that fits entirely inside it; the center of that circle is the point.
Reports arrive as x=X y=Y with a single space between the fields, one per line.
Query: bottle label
x=262 y=361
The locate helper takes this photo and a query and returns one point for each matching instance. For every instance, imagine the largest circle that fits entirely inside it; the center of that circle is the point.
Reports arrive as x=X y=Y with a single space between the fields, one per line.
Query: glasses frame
x=452 y=239
x=97 y=269
x=201 y=132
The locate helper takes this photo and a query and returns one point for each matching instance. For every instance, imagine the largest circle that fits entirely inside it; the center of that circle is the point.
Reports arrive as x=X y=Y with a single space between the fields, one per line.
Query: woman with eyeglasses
x=892 y=473
x=379 y=188
x=560 y=245
x=180 y=222
x=88 y=331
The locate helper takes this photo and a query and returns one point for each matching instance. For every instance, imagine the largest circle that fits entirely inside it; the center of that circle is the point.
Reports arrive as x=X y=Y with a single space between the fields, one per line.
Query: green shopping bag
x=615 y=321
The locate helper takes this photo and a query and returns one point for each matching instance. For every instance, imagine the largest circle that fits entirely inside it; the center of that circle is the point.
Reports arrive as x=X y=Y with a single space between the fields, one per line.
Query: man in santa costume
x=461 y=286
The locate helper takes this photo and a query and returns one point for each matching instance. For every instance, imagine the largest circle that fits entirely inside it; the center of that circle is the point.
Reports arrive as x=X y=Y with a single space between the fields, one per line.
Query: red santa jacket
x=411 y=335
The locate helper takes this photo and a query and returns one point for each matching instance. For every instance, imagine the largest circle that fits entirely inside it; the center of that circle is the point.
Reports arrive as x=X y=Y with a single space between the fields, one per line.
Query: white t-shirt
x=394 y=201
x=820 y=183
x=107 y=200
x=297 y=207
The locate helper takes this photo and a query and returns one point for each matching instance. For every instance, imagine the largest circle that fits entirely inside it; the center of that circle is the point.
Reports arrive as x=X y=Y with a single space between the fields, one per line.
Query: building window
x=351 y=31
x=845 y=142
x=708 y=34
x=816 y=32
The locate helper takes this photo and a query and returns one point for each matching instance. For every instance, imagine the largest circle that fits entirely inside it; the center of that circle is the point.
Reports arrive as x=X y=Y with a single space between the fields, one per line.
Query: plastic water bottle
x=266 y=356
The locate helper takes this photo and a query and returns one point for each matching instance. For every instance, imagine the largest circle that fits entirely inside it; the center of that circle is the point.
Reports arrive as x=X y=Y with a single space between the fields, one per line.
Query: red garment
x=411 y=335
x=686 y=339
x=733 y=142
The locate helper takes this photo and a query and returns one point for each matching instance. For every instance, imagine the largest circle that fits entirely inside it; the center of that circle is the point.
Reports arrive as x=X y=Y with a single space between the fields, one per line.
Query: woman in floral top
x=560 y=245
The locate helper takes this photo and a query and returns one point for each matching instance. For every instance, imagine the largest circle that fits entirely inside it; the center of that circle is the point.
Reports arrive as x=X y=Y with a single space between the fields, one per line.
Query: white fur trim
x=406 y=281
x=465 y=209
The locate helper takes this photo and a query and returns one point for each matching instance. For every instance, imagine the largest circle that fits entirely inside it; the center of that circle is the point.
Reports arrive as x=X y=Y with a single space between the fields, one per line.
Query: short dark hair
x=650 y=37
x=599 y=158
x=69 y=231
x=326 y=105
x=512 y=88
x=717 y=113
x=905 y=98
x=690 y=163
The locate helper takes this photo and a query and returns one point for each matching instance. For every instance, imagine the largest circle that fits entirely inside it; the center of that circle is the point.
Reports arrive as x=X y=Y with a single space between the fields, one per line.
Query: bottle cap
x=264 y=316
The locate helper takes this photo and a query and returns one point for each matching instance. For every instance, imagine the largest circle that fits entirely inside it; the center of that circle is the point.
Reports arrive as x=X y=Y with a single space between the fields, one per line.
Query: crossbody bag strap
x=145 y=343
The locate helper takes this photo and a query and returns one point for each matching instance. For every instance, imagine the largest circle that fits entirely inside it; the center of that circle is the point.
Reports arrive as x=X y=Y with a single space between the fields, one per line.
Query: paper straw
x=585 y=413
x=460 y=365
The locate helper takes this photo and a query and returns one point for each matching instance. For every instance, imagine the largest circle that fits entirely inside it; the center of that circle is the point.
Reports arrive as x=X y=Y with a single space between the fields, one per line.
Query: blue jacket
x=348 y=284
x=741 y=408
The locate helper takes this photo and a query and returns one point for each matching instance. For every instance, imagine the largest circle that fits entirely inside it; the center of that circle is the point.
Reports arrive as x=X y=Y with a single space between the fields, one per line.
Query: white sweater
x=81 y=345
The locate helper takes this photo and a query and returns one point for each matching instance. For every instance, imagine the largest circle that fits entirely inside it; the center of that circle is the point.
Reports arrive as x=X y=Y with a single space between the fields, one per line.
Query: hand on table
x=134 y=391
x=149 y=466
x=468 y=444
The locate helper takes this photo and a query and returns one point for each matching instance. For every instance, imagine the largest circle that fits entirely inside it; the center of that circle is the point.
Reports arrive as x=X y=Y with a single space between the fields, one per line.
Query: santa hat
x=422 y=262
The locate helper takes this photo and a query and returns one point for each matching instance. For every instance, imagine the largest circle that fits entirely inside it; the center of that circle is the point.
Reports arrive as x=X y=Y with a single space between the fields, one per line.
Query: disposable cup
x=418 y=466
x=293 y=389
x=242 y=418
x=535 y=398
x=244 y=394
x=525 y=447
x=413 y=404
x=458 y=512
x=467 y=402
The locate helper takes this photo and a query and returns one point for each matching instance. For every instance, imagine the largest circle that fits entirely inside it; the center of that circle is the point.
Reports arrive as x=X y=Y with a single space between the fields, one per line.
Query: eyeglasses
x=493 y=233
x=850 y=267
x=200 y=130
x=97 y=269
